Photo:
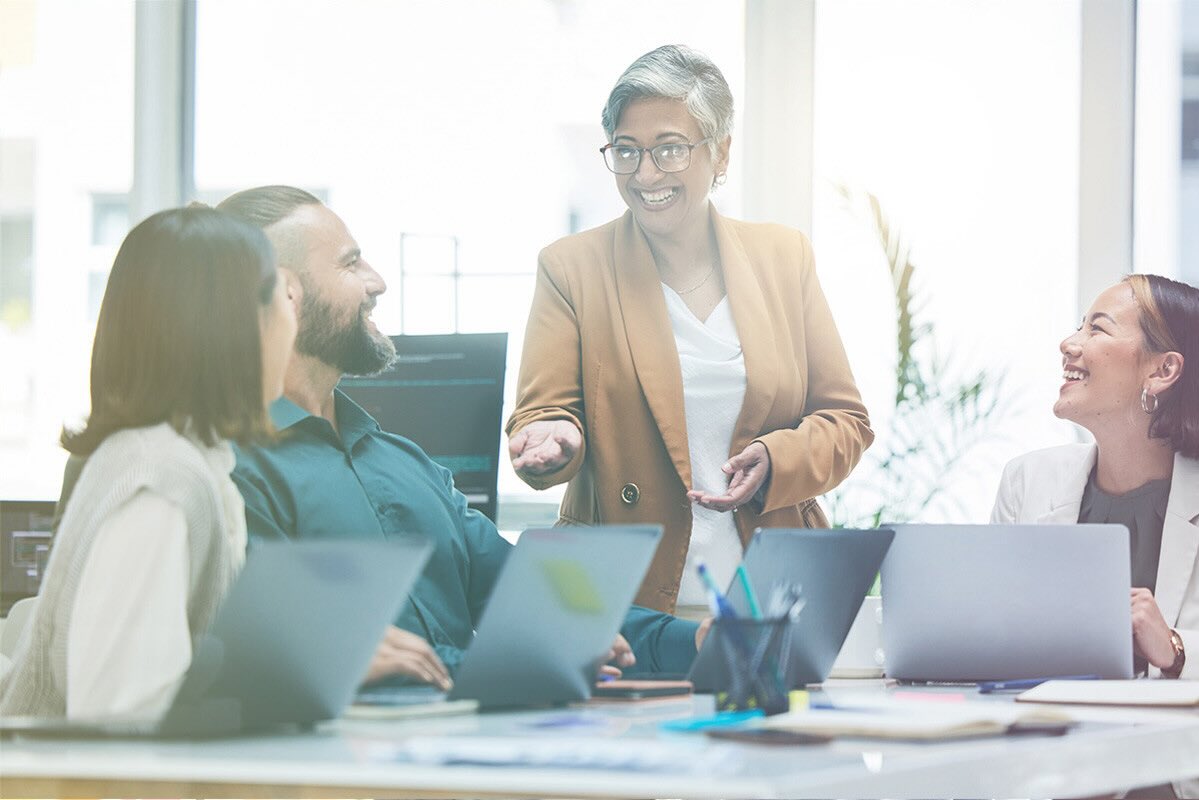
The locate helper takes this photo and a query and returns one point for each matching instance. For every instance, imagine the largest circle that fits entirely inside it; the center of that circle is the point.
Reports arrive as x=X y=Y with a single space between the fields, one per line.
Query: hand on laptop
x=701 y=632
x=1150 y=633
x=619 y=655
x=404 y=653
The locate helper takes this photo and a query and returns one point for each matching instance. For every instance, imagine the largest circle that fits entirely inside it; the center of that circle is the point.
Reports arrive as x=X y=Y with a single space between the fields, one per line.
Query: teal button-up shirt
x=366 y=483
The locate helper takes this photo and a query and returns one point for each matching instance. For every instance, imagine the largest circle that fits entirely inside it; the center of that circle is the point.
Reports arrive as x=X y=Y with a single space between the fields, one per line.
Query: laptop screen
x=25 y=531
x=446 y=393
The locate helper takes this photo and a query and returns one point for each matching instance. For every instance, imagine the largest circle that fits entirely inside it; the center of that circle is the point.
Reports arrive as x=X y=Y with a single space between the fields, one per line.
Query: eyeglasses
x=624 y=159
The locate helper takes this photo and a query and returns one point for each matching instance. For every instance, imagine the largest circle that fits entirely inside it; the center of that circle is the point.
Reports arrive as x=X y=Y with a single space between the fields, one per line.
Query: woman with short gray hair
x=682 y=368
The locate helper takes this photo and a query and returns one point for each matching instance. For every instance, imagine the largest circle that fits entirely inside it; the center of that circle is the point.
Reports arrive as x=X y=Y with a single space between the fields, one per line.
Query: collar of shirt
x=353 y=422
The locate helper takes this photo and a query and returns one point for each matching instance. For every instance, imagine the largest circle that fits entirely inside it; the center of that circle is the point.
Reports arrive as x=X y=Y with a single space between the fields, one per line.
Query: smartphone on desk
x=766 y=736
x=632 y=689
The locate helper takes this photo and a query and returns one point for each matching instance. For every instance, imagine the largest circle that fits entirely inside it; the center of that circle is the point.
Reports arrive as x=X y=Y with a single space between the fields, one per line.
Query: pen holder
x=752 y=657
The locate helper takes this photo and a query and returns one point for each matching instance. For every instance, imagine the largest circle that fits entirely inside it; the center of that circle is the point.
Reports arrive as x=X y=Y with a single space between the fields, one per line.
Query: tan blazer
x=599 y=351
x=1046 y=486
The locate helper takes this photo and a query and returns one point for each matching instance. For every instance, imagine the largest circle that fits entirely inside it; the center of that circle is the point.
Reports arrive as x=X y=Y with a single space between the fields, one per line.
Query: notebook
x=1162 y=693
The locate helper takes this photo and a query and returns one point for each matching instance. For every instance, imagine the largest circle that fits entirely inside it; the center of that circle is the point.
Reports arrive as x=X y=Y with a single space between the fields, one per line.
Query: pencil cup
x=752 y=654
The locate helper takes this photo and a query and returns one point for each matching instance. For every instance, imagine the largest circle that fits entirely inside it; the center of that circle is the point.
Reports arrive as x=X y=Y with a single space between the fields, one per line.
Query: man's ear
x=295 y=289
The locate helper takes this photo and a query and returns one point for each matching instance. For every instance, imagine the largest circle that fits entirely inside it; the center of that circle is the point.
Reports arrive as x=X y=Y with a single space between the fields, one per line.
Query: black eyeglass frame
x=641 y=151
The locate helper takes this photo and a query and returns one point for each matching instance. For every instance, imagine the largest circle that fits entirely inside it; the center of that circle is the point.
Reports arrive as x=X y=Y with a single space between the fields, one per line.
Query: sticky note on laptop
x=573 y=585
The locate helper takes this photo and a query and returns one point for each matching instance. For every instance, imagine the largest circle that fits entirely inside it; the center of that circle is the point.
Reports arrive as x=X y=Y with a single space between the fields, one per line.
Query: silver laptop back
x=998 y=602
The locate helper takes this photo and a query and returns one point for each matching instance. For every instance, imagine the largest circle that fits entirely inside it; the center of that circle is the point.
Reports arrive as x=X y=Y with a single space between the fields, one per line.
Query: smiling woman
x=1131 y=379
x=680 y=365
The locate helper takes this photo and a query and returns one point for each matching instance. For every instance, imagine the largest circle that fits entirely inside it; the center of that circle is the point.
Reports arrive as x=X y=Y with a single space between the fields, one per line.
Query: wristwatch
x=1180 y=656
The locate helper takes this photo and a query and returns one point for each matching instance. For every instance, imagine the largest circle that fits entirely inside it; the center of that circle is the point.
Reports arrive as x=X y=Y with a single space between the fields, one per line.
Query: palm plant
x=942 y=410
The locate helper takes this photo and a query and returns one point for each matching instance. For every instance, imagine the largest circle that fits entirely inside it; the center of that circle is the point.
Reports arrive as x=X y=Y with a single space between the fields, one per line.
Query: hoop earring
x=1145 y=398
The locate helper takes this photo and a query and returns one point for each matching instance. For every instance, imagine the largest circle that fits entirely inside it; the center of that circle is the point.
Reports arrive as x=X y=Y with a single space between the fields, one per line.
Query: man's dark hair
x=263 y=206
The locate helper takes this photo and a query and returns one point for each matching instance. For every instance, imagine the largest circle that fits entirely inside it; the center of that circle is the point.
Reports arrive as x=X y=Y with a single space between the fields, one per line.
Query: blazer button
x=630 y=494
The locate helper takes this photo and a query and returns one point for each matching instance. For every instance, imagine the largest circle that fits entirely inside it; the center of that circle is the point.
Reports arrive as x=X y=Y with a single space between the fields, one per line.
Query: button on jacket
x=599 y=351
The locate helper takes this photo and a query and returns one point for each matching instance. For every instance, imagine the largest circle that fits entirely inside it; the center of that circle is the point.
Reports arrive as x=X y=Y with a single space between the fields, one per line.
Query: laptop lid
x=556 y=609
x=294 y=636
x=833 y=570
x=998 y=602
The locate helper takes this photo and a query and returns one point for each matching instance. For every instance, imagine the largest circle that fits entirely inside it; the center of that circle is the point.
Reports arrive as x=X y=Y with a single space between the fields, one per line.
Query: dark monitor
x=25 y=531
x=446 y=393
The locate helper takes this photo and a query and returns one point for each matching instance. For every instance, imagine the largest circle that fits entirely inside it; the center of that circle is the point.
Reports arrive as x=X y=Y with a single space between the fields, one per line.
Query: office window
x=973 y=155
x=407 y=113
x=66 y=105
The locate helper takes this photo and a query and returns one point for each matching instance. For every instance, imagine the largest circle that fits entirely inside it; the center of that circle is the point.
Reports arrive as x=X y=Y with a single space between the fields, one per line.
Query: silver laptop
x=833 y=569
x=289 y=646
x=555 y=611
x=1000 y=602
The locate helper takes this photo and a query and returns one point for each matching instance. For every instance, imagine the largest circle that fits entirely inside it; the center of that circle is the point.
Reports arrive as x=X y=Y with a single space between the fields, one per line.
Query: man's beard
x=351 y=347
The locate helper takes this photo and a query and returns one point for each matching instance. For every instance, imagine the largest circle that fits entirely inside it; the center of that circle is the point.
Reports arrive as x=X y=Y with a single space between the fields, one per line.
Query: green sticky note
x=573 y=585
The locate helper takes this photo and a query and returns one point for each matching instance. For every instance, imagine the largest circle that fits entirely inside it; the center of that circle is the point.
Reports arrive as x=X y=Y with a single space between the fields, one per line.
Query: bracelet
x=1180 y=656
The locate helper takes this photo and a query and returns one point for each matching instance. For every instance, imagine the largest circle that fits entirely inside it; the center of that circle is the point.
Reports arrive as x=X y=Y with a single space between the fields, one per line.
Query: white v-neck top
x=713 y=369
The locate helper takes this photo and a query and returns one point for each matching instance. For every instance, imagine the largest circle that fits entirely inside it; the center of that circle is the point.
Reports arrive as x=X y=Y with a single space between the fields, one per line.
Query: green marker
x=754 y=611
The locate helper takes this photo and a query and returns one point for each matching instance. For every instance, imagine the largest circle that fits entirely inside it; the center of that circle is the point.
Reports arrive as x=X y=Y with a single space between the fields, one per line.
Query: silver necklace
x=706 y=278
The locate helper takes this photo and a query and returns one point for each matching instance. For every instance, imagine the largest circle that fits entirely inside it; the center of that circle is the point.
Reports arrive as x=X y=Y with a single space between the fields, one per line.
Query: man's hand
x=404 y=653
x=702 y=633
x=618 y=656
x=544 y=446
x=1150 y=633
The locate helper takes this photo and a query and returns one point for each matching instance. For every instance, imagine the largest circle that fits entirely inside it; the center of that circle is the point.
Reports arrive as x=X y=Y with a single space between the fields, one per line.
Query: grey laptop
x=289 y=646
x=833 y=569
x=999 y=602
x=556 y=609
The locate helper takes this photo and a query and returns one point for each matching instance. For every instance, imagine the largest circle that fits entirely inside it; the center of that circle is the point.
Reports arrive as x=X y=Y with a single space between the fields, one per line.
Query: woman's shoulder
x=1049 y=460
x=155 y=455
x=588 y=242
x=765 y=234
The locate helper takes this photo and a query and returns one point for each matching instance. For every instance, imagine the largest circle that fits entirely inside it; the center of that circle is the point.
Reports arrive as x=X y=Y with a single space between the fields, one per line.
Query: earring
x=1145 y=398
x=720 y=179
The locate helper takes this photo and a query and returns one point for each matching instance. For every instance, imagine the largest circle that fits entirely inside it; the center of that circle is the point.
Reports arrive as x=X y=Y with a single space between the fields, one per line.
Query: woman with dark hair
x=1132 y=379
x=191 y=345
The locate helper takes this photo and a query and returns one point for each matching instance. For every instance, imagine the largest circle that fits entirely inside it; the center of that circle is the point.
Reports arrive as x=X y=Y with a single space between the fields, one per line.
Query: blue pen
x=987 y=687
x=723 y=607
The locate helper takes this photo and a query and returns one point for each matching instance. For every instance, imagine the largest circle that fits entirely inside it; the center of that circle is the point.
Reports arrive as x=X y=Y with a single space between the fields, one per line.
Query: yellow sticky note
x=573 y=585
x=798 y=700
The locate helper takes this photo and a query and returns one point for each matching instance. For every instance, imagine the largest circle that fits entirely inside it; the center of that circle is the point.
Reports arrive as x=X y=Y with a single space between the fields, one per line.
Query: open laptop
x=1001 y=602
x=833 y=570
x=554 y=612
x=289 y=646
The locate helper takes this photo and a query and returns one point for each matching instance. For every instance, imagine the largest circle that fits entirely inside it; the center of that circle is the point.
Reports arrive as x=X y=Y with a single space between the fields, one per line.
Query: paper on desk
x=924 y=722
x=1164 y=693
x=689 y=756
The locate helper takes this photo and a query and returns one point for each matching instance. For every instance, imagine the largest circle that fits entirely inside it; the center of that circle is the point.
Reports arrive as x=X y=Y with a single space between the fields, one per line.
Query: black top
x=1143 y=512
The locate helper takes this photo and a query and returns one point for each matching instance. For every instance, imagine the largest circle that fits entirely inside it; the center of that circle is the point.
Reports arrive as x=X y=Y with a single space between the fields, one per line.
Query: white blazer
x=1046 y=487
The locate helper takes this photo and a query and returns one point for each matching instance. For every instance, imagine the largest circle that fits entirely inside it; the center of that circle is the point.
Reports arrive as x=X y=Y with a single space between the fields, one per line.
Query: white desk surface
x=1106 y=753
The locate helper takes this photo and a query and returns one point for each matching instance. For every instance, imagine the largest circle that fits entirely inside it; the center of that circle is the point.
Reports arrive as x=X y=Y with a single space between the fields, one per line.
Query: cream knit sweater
x=168 y=464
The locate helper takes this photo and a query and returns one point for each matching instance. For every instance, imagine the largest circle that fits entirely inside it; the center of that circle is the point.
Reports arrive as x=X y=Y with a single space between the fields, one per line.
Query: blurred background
x=1013 y=156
